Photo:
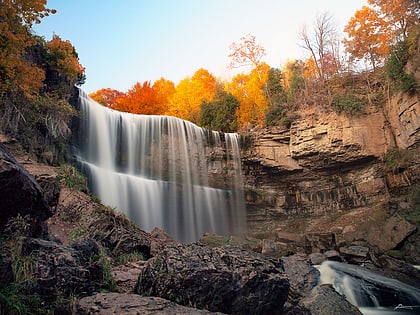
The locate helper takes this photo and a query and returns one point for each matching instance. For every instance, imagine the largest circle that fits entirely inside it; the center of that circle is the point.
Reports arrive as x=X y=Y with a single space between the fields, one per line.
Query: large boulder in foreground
x=21 y=195
x=132 y=304
x=62 y=271
x=225 y=279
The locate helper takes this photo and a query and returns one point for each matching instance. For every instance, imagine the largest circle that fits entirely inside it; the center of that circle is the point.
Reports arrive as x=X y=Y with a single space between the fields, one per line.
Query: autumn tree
x=368 y=37
x=140 y=99
x=250 y=90
x=190 y=93
x=399 y=16
x=37 y=81
x=246 y=53
x=17 y=72
x=107 y=97
x=323 y=46
x=164 y=90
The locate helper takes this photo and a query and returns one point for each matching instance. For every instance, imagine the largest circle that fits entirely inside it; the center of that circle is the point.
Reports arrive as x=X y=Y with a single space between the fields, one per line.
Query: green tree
x=219 y=113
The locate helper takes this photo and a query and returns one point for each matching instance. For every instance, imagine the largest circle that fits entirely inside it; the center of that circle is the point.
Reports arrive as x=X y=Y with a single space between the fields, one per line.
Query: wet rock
x=396 y=269
x=302 y=276
x=354 y=251
x=317 y=258
x=333 y=255
x=323 y=299
x=59 y=269
x=224 y=279
x=21 y=195
x=132 y=304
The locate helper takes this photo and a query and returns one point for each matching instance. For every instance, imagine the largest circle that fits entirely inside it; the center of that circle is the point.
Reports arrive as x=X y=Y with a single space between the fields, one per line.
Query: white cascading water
x=156 y=169
x=372 y=293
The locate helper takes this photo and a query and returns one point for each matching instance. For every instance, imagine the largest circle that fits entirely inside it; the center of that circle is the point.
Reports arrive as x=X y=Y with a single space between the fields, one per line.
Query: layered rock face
x=327 y=165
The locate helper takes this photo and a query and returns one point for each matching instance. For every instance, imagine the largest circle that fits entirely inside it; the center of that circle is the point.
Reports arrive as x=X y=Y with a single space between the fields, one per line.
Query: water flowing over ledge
x=372 y=293
x=162 y=171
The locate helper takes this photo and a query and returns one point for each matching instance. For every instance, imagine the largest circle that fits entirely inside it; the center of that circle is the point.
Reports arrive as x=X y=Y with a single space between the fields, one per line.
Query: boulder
x=224 y=279
x=390 y=234
x=323 y=299
x=21 y=195
x=275 y=249
x=302 y=276
x=354 y=251
x=131 y=304
x=59 y=270
x=46 y=176
x=126 y=276
x=317 y=258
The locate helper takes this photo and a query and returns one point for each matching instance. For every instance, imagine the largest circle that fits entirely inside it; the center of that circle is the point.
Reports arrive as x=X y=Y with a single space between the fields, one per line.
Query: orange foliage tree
x=142 y=98
x=63 y=59
x=107 y=97
x=398 y=15
x=16 y=19
x=185 y=103
x=164 y=90
x=368 y=36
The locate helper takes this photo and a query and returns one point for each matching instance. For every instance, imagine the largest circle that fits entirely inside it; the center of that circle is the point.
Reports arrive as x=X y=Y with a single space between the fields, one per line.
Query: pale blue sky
x=122 y=42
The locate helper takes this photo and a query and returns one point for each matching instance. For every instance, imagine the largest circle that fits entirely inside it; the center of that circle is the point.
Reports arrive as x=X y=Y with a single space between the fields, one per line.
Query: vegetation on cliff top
x=37 y=79
x=380 y=38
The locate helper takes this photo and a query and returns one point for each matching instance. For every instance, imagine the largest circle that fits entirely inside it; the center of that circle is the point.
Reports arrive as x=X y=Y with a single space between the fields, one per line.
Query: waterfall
x=162 y=171
x=374 y=294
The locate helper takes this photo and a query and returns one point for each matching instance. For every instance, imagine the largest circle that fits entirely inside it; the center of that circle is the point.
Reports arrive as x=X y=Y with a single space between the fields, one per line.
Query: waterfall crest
x=162 y=171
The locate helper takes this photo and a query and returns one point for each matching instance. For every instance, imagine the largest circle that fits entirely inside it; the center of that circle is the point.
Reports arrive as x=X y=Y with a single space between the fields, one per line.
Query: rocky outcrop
x=132 y=304
x=109 y=228
x=21 y=195
x=323 y=299
x=225 y=279
x=60 y=269
x=303 y=277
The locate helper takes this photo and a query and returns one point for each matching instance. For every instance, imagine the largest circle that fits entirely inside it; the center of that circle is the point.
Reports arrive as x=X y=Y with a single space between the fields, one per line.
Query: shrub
x=395 y=68
x=347 y=104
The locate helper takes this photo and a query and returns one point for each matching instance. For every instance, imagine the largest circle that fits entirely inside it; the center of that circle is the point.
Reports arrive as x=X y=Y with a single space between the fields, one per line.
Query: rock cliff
x=327 y=172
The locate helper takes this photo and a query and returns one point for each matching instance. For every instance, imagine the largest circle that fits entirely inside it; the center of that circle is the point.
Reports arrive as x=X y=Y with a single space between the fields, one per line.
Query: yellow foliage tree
x=185 y=103
x=249 y=89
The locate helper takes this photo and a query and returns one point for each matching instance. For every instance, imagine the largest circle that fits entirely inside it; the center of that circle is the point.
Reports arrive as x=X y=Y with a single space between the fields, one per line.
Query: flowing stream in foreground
x=372 y=293
x=162 y=171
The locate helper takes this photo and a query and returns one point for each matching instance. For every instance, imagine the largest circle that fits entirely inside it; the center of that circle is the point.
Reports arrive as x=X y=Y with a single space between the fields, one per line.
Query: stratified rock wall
x=327 y=164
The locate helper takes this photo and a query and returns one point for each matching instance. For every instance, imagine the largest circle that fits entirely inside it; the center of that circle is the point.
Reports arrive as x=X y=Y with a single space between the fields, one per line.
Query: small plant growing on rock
x=72 y=177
